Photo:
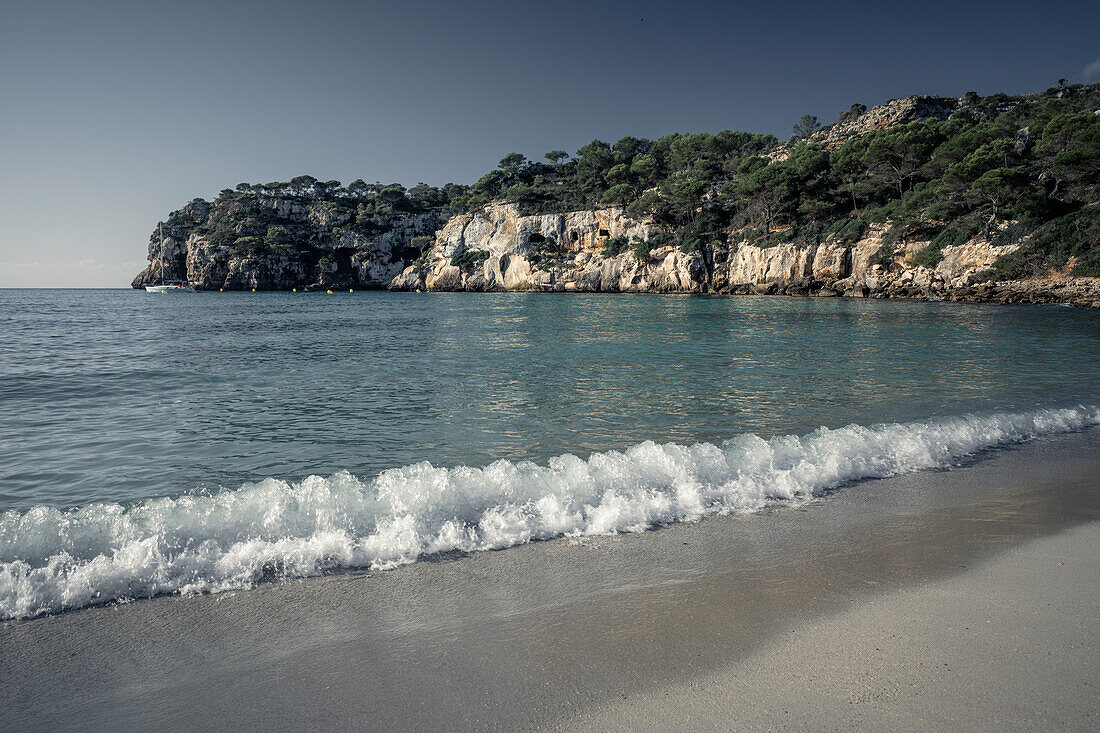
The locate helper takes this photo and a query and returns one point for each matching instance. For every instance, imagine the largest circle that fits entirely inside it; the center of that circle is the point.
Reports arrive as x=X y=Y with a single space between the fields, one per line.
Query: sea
x=195 y=443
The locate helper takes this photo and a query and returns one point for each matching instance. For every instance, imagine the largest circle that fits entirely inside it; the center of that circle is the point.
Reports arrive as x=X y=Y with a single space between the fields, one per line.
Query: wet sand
x=835 y=613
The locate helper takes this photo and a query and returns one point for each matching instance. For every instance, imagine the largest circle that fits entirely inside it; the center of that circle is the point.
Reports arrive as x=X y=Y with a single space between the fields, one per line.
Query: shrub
x=846 y=231
x=690 y=244
x=1076 y=234
x=658 y=239
x=247 y=246
x=905 y=228
x=615 y=246
x=469 y=259
x=546 y=249
x=895 y=234
x=278 y=237
x=1089 y=264
x=928 y=257
x=931 y=255
x=1014 y=233
x=884 y=256
x=852 y=113
x=791 y=235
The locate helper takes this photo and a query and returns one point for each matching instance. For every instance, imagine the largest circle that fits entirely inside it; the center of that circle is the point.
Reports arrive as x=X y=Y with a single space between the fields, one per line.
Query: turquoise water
x=120 y=395
x=196 y=443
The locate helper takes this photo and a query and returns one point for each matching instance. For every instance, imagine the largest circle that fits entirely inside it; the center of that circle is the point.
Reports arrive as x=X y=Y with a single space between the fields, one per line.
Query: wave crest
x=52 y=560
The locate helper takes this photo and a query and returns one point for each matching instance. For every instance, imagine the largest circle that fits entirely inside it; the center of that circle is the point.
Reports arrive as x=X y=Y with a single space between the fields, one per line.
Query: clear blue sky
x=115 y=113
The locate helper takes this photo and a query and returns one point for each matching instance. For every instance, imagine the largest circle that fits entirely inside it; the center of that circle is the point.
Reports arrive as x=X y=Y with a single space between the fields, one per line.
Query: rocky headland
x=281 y=243
x=922 y=197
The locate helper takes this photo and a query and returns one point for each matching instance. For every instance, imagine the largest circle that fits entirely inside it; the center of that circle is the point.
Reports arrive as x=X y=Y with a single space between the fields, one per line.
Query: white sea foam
x=51 y=560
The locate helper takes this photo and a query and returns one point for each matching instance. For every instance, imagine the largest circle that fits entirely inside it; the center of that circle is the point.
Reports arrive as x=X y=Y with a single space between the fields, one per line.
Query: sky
x=112 y=114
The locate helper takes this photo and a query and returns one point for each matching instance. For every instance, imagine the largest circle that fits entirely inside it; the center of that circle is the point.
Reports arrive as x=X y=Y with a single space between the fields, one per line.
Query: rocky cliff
x=273 y=243
x=550 y=252
x=994 y=198
x=600 y=250
x=574 y=252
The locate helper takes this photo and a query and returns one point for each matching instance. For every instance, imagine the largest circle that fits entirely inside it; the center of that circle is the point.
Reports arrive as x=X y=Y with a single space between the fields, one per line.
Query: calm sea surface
x=120 y=395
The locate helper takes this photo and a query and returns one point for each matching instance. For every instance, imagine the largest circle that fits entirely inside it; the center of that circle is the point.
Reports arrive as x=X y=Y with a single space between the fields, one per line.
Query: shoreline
x=1079 y=293
x=539 y=634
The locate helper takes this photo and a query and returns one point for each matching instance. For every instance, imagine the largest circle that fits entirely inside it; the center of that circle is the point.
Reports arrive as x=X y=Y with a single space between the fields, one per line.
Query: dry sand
x=1009 y=645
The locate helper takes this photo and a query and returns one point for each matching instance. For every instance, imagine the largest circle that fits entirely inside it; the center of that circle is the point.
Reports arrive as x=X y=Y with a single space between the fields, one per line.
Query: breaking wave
x=52 y=560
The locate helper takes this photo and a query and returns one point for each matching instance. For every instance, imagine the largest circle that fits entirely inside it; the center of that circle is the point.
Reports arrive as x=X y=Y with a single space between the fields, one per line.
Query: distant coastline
x=993 y=199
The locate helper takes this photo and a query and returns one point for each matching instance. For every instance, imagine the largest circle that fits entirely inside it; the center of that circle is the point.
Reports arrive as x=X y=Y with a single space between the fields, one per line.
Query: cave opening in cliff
x=605 y=233
x=536 y=239
x=573 y=236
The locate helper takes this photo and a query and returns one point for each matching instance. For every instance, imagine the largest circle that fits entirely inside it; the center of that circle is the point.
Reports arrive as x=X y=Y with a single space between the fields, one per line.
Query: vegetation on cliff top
x=1002 y=167
x=1033 y=160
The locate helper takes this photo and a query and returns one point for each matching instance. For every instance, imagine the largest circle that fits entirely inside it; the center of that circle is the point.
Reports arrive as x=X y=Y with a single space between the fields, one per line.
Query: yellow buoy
x=329 y=292
x=294 y=290
x=350 y=290
x=253 y=290
x=418 y=290
x=221 y=290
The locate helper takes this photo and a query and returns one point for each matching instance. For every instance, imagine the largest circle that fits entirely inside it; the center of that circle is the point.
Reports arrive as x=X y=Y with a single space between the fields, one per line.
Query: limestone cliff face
x=498 y=249
x=168 y=245
x=553 y=252
x=568 y=252
x=317 y=249
x=864 y=269
x=860 y=267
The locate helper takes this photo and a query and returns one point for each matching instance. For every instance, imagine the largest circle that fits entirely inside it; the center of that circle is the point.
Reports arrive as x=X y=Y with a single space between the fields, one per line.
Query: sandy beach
x=962 y=598
x=1007 y=645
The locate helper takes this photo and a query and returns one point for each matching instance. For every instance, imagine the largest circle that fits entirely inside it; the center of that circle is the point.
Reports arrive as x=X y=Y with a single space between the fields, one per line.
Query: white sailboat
x=170 y=287
x=167 y=286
